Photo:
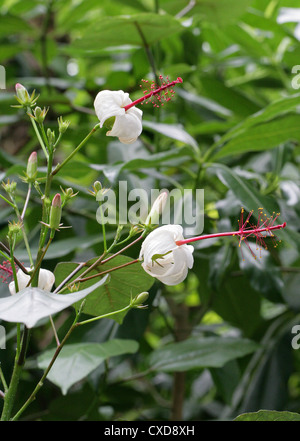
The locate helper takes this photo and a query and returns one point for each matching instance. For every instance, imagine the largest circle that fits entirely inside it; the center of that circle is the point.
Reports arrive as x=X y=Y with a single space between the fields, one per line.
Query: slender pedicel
x=156 y=91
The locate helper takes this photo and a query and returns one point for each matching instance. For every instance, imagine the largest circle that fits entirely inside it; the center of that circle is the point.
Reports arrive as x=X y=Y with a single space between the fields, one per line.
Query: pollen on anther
x=159 y=93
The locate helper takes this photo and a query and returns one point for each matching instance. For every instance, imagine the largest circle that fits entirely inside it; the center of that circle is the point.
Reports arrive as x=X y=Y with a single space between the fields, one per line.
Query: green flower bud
x=51 y=137
x=40 y=115
x=55 y=213
x=22 y=93
x=32 y=167
x=24 y=98
x=68 y=194
x=14 y=229
x=62 y=125
x=138 y=301
x=10 y=187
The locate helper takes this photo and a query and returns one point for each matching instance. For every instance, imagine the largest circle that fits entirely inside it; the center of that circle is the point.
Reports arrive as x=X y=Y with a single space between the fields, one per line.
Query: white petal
x=110 y=103
x=46 y=280
x=127 y=127
x=172 y=268
x=22 y=278
x=12 y=288
x=32 y=304
x=160 y=241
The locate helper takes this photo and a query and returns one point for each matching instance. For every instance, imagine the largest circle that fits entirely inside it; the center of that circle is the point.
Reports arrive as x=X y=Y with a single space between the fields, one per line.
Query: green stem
x=3 y=381
x=12 y=262
x=44 y=135
x=10 y=394
x=21 y=219
x=9 y=397
x=13 y=267
x=39 y=262
x=38 y=135
x=44 y=228
x=109 y=314
x=57 y=352
x=7 y=201
x=6 y=254
x=76 y=150
x=103 y=231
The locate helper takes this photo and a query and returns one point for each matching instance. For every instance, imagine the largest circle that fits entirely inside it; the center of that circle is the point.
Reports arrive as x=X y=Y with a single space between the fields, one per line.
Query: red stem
x=109 y=270
x=154 y=92
x=241 y=232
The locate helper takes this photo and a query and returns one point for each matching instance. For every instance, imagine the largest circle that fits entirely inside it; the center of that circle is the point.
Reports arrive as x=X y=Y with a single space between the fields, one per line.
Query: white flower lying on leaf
x=46 y=280
x=125 y=124
x=163 y=258
x=30 y=305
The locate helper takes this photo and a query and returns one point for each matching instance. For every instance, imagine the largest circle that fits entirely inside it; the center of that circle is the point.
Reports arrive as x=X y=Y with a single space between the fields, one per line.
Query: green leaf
x=263 y=275
x=76 y=361
x=205 y=103
x=235 y=300
x=263 y=136
x=10 y=24
x=268 y=415
x=275 y=109
x=249 y=197
x=163 y=159
x=122 y=30
x=124 y=284
x=197 y=352
x=229 y=97
x=173 y=131
x=221 y=12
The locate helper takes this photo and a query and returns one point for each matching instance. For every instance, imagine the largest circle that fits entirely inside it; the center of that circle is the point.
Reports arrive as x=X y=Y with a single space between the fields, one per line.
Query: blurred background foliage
x=219 y=344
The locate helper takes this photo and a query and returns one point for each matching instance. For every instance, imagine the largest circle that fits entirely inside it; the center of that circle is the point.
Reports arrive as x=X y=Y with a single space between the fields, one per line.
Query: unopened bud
x=97 y=186
x=51 y=137
x=55 y=212
x=62 y=125
x=22 y=93
x=157 y=208
x=40 y=114
x=139 y=300
x=23 y=96
x=14 y=229
x=32 y=166
x=68 y=194
x=10 y=187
